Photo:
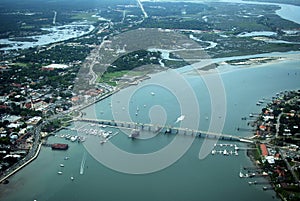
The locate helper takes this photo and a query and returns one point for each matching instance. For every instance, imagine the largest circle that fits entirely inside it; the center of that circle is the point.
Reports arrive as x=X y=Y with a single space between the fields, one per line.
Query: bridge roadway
x=164 y=128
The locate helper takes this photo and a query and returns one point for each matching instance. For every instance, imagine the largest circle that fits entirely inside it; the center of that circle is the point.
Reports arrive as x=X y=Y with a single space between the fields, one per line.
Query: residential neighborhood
x=277 y=147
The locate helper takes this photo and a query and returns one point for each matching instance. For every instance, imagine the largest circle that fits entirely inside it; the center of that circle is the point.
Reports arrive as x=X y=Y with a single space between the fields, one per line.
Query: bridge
x=165 y=129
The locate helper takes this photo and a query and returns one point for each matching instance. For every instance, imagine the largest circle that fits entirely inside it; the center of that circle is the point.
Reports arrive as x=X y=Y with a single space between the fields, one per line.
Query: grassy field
x=85 y=16
x=109 y=78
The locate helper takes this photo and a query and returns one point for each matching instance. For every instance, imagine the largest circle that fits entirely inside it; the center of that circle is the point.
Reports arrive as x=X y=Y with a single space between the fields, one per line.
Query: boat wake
x=82 y=163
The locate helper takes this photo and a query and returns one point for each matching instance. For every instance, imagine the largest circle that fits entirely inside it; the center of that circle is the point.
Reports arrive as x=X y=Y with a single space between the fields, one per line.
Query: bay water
x=213 y=178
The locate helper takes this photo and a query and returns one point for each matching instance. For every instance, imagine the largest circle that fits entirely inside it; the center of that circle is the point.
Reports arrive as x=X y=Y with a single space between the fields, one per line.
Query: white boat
x=61 y=165
x=105 y=135
x=213 y=152
x=59 y=172
x=73 y=138
x=72 y=178
x=225 y=152
x=241 y=175
x=236 y=153
x=152 y=93
x=181 y=118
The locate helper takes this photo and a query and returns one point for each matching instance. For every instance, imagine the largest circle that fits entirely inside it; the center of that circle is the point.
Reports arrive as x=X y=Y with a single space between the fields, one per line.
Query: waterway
x=55 y=34
x=213 y=178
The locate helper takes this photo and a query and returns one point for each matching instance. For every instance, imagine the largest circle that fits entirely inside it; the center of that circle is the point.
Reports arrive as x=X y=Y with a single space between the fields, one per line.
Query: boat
x=134 y=133
x=72 y=178
x=61 y=165
x=181 y=118
x=67 y=158
x=236 y=153
x=152 y=93
x=105 y=135
x=225 y=152
x=213 y=152
x=58 y=146
x=59 y=172
x=241 y=175
x=73 y=138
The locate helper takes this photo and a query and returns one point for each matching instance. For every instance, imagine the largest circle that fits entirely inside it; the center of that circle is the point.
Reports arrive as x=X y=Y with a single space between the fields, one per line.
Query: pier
x=165 y=129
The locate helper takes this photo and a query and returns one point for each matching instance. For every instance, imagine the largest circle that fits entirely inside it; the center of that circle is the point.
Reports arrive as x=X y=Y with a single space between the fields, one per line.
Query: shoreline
x=23 y=165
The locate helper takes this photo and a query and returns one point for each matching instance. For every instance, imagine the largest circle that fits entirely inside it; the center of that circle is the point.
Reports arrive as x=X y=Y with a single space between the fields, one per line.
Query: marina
x=225 y=149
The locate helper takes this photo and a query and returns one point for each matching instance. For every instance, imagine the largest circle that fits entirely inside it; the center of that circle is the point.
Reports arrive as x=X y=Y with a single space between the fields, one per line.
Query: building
x=264 y=150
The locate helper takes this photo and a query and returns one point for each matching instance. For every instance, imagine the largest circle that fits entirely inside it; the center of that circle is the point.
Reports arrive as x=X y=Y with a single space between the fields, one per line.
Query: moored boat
x=58 y=146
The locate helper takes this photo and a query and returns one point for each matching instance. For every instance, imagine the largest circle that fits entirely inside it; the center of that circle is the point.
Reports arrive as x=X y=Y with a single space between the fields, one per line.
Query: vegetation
x=133 y=60
x=111 y=77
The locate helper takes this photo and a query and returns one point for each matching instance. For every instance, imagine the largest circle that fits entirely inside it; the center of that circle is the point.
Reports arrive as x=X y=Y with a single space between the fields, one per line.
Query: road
x=278 y=124
x=283 y=155
x=32 y=154
x=142 y=8
x=94 y=58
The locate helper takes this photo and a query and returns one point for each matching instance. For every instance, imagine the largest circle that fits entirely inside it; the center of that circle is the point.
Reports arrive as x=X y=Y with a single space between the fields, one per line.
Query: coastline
x=23 y=165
